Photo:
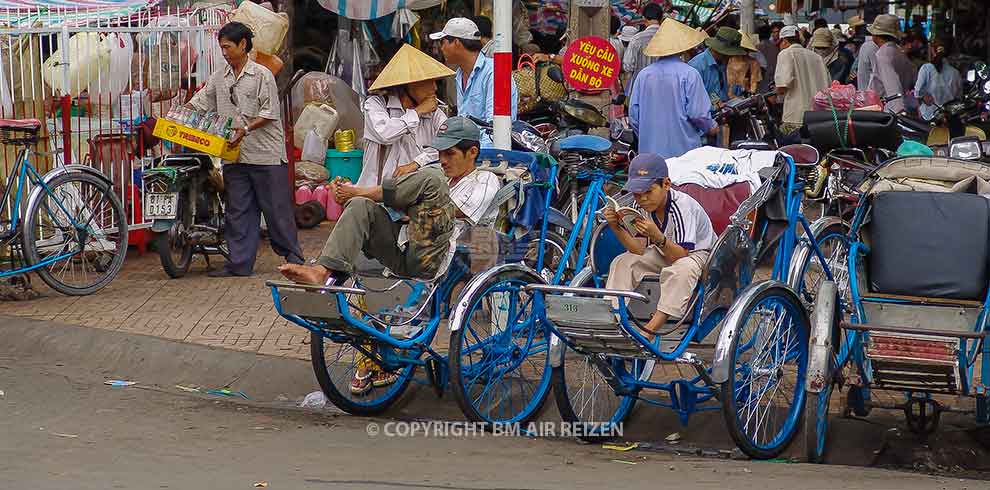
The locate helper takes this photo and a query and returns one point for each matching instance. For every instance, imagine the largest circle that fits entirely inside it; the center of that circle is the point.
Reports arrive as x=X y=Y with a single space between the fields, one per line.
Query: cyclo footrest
x=589 y=323
x=914 y=358
x=317 y=305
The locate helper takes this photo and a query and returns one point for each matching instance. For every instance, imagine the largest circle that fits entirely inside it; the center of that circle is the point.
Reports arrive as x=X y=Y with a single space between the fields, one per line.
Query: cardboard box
x=193 y=138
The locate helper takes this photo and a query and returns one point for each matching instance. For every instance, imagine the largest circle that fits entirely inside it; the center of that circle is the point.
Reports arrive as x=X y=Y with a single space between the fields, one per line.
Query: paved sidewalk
x=235 y=313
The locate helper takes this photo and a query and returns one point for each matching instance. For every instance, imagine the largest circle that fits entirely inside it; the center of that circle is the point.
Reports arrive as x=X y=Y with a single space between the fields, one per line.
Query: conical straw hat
x=747 y=42
x=410 y=65
x=673 y=38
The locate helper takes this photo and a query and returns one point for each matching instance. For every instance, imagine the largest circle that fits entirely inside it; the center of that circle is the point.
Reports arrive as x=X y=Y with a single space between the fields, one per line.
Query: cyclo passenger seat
x=19 y=131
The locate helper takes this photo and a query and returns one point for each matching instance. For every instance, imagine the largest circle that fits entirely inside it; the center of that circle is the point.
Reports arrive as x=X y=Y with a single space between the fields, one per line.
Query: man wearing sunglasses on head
x=258 y=182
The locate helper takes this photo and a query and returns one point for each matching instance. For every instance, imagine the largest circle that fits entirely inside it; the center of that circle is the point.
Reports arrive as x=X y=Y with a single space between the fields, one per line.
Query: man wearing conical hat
x=668 y=106
x=402 y=116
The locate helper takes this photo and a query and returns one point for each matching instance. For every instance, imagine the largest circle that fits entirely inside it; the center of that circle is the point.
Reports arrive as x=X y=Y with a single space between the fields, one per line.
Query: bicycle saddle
x=20 y=124
x=586 y=144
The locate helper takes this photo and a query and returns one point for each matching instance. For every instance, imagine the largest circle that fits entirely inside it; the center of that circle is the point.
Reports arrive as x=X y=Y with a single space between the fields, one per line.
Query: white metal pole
x=502 y=123
x=746 y=16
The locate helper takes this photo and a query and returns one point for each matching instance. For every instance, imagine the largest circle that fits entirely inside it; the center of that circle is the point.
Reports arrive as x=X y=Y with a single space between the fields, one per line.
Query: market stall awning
x=372 y=9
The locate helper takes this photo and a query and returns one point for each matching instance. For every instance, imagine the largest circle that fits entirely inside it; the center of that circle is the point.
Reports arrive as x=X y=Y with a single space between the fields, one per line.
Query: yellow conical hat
x=410 y=65
x=747 y=42
x=673 y=38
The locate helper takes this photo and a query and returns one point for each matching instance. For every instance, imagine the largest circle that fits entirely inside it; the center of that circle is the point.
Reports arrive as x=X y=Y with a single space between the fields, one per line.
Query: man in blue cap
x=674 y=237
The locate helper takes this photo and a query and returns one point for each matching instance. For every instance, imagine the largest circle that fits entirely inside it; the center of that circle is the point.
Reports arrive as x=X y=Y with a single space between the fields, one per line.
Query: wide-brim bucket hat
x=410 y=65
x=886 y=25
x=726 y=41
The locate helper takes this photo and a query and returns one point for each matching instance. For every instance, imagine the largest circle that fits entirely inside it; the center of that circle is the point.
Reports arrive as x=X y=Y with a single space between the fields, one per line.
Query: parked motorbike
x=184 y=202
x=966 y=116
x=752 y=122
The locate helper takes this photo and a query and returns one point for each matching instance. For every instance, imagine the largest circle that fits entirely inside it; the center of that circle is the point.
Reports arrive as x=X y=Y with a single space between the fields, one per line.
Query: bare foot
x=305 y=274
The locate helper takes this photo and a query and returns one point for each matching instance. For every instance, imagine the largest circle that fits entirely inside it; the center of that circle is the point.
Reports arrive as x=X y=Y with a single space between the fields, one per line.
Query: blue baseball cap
x=644 y=171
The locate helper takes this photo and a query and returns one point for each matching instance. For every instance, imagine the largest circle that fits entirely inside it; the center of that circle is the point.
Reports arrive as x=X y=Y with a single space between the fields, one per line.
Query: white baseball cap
x=460 y=28
x=789 y=31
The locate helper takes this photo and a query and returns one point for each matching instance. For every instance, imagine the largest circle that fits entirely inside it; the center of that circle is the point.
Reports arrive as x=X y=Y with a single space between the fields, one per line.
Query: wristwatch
x=247 y=130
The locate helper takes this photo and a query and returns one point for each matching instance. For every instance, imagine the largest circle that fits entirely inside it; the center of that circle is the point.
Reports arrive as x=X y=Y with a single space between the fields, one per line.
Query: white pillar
x=746 y=11
x=502 y=123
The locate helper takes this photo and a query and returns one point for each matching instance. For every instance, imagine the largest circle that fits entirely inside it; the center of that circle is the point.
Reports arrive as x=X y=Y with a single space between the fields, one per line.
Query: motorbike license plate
x=160 y=206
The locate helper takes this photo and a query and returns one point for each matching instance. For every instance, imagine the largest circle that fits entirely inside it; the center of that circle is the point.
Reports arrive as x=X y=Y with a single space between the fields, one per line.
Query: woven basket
x=525 y=77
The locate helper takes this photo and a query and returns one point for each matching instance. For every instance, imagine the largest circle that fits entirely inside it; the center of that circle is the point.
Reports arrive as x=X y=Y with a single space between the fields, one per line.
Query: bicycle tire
x=32 y=219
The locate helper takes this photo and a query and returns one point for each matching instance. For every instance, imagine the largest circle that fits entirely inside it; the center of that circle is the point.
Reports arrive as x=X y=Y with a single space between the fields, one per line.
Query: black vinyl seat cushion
x=930 y=245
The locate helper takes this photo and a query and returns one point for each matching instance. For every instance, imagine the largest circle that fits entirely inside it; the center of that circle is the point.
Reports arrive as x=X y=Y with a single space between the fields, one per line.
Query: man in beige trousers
x=674 y=240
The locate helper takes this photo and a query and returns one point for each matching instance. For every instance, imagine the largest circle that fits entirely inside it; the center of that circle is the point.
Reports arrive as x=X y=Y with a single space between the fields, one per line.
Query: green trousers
x=366 y=226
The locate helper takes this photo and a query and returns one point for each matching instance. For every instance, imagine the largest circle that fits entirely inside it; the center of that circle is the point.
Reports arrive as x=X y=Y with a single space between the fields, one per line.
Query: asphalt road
x=62 y=428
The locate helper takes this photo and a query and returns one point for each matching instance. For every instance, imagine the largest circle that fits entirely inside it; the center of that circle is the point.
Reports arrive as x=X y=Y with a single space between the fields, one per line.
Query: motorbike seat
x=915 y=123
x=586 y=144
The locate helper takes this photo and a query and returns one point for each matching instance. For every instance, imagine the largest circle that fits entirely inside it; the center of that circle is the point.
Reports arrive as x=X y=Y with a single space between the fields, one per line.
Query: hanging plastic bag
x=117 y=78
x=170 y=56
x=314 y=148
x=334 y=92
x=88 y=56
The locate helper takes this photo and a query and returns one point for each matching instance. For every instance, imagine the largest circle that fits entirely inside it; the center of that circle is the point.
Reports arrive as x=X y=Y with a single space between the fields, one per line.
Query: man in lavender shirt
x=669 y=107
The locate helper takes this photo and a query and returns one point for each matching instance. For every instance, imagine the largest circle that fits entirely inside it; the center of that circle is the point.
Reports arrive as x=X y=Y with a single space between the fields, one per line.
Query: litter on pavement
x=119 y=382
x=621 y=447
x=228 y=393
x=315 y=399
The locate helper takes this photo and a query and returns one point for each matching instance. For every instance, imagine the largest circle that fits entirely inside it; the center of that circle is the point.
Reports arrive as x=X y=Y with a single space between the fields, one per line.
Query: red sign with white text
x=591 y=63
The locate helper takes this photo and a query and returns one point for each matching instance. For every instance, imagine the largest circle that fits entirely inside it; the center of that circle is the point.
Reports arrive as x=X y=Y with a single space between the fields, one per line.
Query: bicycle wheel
x=582 y=394
x=335 y=366
x=499 y=354
x=77 y=231
x=173 y=246
x=834 y=245
x=763 y=399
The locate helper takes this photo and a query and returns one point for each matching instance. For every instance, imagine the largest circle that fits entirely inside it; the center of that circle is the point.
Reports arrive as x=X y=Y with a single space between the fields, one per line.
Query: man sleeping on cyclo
x=678 y=239
x=434 y=200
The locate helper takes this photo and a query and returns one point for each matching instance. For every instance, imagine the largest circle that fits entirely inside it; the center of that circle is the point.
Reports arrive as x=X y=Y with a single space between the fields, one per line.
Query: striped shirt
x=684 y=222
x=244 y=97
x=633 y=59
x=473 y=194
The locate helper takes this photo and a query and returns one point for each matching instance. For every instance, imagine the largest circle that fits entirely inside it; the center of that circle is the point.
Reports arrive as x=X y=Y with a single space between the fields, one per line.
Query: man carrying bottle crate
x=258 y=182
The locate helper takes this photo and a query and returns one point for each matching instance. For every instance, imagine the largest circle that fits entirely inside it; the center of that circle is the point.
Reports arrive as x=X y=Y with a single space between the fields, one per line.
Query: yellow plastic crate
x=193 y=138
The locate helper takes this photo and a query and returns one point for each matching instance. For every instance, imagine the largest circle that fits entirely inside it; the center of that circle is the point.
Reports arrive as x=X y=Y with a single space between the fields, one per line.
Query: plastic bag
x=319 y=117
x=327 y=89
x=315 y=399
x=842 y=96
x=117 y=77
x=314 y=148
x=311 y=174
x=88 y=56
x=169 y=56
x=268 y=27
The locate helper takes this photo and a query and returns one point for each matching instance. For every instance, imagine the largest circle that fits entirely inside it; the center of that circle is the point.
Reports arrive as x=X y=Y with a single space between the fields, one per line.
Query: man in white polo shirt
x=674 y=242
